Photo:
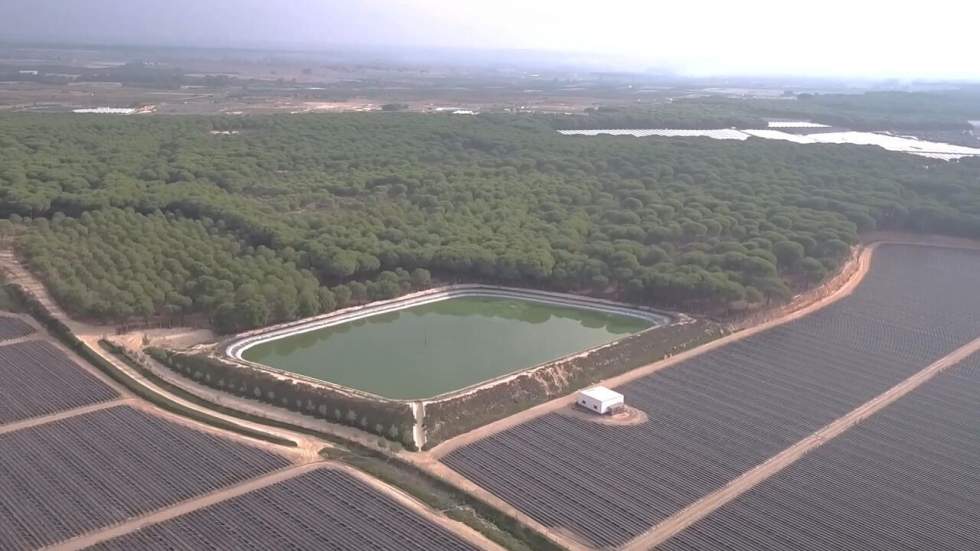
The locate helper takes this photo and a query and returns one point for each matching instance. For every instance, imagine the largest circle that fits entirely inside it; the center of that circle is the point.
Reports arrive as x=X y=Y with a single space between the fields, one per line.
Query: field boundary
x=100 y=535
x=74 y=412
x=483 y=404
x=134 y=524
x=216 y=365
x=28 y=286
x=837 y=288
x=450 y=477
x=860 y=258
x=701 y=508
x=233 y=348
x=134 y=384
x=241 y=343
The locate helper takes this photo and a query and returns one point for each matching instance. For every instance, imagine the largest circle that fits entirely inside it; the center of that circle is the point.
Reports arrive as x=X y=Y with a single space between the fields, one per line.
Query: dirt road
x=134 y=524
x=90 y=334
x=213 y=498
x=45 y=419
x=305 y=456
x=839 y=288
x=851 y=275
x=749 y=479
x=429 y=461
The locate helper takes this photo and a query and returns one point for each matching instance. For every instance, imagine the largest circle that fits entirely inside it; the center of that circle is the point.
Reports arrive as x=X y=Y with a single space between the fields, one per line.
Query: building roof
x=601 y=394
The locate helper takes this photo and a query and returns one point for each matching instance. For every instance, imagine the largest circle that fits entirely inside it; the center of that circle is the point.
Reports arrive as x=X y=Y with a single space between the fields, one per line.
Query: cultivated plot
x=904 y=479
x=321 y=509
x=12 y=328
x=723 y=412
x=64 y=478
x=37 y=378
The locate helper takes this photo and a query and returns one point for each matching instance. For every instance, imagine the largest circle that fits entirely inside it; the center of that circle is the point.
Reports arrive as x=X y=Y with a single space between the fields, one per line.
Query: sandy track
x=441 y=471
x=305 y=456
x=844 y=287
x=429 y=461
x=91 y=334
x=749 y=479
x=98 y=536
x=836 y=289
x=45 y=419
x=459 y=529
x=134 y=524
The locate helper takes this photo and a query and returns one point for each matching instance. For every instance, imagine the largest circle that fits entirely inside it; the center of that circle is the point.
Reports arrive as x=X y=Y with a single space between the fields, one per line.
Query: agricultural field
x=37 y=378
x=64 y=478
x=904 y=479
x=13 y=328
x=721 y=413
x=321 y=509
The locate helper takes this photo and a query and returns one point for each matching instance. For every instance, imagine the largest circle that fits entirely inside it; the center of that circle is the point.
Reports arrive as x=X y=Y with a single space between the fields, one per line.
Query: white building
x=600 y=399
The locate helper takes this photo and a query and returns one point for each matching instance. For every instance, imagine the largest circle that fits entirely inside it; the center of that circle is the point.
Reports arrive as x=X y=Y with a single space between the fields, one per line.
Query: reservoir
x=430 y=349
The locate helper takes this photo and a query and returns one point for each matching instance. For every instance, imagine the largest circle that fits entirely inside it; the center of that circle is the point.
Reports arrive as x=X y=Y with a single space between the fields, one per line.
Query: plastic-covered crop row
x=723 y=412
x=37 y=378
x=321 y=509
x=904 y=479
x=68 y=477
x=12 y=328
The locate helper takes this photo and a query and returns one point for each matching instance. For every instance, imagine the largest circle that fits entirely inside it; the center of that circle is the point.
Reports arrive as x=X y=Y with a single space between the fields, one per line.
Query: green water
x=427 y=350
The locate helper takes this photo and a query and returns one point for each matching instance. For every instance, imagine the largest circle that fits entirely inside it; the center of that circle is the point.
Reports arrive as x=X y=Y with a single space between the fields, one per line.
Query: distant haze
x=850 y=38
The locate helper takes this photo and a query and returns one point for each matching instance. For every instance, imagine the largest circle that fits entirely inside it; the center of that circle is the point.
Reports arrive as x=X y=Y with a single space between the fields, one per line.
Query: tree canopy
x=150 y=216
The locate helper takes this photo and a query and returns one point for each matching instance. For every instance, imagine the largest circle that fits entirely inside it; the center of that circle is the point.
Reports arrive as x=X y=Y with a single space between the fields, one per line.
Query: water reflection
x=442 y=346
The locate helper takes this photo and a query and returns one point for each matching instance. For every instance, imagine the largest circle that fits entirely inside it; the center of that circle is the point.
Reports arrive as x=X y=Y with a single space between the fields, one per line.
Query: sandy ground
x=15 y=272
x=437 y=469
x=45 y=419
x=282 y=475
x=629 y=416
x=91 y=334
x=749 y=479
x=458 y=528
x=184 y=507
x=305 y=456
x=259 y=409
x=845 y=284
x=177 y=337
x=837 y=288
x=41 y=333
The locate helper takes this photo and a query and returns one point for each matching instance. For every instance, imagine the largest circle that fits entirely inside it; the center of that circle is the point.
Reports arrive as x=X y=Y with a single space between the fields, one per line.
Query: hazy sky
x=935 y=38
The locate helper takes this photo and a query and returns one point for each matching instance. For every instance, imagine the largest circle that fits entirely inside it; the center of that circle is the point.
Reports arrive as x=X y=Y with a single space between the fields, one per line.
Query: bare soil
x=835 y=289
x=175 y=337
x=458 y=528
x=464 y=484
x=749 y=479
x=213 y=498
x=45 y=419
x=627 y=417
x=838 y=287
x=15 y=272
x=92 y=538
x=305 y=456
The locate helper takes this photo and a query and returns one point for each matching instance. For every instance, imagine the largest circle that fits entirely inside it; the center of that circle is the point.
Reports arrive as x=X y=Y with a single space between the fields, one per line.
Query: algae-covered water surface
x=426 y=350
